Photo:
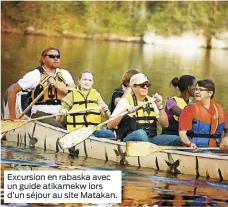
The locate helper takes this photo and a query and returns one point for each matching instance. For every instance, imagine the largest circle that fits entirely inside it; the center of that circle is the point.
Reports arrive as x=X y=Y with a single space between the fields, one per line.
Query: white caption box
x=62 y=186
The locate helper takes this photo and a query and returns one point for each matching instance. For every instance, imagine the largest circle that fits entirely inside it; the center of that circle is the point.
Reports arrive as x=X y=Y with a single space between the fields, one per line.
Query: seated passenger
x=47 y=74
x=118 y=92
x=82 y=97
x=141 y=125
x=202 y=123
x=176 y=104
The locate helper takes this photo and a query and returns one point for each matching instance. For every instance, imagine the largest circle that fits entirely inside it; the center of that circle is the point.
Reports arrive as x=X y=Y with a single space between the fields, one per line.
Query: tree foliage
x=116 y=17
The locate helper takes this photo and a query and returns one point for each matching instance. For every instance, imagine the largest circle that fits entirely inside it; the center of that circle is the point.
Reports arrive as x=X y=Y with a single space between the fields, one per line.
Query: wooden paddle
x=7 y=125
x=33 y=102
x=79 y=135
x=147 y=148
x=23 y=113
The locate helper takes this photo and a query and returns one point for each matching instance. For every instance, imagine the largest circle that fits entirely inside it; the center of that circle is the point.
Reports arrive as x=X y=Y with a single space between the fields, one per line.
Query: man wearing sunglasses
x=141 y=124
x=48 y=74
x=202 y=123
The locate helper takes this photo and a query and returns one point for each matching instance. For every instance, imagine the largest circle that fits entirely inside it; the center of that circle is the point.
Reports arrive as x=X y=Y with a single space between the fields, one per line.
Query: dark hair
x=183 y=82
x=208 y=84
x=84 y=71
x=127 y=76
x=45 y=51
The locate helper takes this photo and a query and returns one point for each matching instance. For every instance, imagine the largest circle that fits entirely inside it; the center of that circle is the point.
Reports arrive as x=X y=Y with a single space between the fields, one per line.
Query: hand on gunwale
x=224 y=144
x=194 y=147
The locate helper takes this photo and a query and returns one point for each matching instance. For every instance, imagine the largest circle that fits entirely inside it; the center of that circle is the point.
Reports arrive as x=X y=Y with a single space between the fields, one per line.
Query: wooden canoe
x=37 y=134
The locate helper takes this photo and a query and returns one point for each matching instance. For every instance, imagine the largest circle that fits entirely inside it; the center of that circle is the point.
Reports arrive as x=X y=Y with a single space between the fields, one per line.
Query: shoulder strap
x=41 y=69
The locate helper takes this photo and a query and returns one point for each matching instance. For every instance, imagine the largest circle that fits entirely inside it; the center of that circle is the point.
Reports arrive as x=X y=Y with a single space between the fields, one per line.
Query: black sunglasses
x=142 y=85
x=53 y=56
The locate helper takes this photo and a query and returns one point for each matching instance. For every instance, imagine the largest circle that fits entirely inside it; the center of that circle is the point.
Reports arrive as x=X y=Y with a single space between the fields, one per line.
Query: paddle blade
x=75 y=137
x=8 y=125
x=141 y=148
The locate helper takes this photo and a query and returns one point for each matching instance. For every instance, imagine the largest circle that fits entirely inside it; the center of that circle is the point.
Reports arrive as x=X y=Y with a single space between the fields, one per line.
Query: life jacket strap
x=83 y=102
x=214 y=136
x=50 y=102
x=86 y=113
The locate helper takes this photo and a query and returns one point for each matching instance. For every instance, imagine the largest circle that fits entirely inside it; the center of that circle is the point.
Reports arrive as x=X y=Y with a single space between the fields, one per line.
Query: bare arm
x=66 y=105
x=12 y=92
x=114 y=123
x=59 y=86
x=224 y=141
x=104 y=107
x=163 y=118
x=184 y=138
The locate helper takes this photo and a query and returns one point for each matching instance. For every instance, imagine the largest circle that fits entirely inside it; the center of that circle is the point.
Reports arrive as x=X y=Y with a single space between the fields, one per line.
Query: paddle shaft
x=122 y=114
x=33 y=102
x=53 y=115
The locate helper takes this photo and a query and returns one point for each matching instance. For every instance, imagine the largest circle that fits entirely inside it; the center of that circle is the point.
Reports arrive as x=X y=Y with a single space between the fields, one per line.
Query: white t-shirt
x=32 y=79
x=122 y=106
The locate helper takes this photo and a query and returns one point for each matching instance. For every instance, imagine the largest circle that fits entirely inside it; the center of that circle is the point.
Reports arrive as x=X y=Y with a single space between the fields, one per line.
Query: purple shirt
x=171 y=102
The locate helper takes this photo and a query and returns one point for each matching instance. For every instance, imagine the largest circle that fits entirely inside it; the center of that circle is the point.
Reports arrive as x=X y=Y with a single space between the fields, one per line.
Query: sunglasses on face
x=142 y=85
x=53 y=56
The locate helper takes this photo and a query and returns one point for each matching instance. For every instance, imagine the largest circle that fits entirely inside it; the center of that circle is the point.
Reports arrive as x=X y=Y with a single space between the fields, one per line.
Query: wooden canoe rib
x=37 y=134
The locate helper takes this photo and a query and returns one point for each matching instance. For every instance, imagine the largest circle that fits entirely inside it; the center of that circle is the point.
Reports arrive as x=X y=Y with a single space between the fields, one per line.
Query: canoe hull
x=36 y=134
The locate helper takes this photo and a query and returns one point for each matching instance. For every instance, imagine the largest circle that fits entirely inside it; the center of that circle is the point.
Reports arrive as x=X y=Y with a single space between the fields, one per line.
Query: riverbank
x=188 y=39
x=66 y=34
x=172 y=24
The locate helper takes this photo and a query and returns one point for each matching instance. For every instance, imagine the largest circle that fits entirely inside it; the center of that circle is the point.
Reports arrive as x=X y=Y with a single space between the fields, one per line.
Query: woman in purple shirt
x=176 y=104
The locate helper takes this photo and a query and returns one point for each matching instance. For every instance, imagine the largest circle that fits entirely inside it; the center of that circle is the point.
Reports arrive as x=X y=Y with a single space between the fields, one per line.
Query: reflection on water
x=140 y=187
x=109 y=60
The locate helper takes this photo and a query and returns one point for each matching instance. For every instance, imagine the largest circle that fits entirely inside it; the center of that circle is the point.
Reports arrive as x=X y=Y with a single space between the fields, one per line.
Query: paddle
x=25 y=111
x=79 y=135
x=33 y=102
x=147 y=148
x=7 y=125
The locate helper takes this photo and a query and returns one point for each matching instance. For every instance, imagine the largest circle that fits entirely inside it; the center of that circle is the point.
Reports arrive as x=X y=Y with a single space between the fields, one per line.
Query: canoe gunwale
x=196 y=154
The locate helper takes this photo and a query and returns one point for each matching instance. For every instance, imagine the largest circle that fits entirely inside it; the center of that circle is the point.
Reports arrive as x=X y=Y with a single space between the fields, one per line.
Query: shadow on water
x=140 y=187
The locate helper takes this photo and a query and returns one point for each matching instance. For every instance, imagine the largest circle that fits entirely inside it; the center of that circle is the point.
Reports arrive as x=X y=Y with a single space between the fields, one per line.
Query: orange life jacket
x=52 y=95
x=206 y=125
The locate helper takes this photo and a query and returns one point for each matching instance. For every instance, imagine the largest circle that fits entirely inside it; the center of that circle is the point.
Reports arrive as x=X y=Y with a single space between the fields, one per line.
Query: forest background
x=120 y=18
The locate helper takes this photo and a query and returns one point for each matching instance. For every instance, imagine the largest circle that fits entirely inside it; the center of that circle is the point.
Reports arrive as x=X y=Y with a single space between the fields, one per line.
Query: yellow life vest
x=145 y=117
x=180 y=103
x=84 y=119
x=52 y=95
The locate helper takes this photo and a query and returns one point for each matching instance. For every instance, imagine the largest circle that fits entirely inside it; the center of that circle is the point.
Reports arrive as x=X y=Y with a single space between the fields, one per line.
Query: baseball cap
x=138 y=79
